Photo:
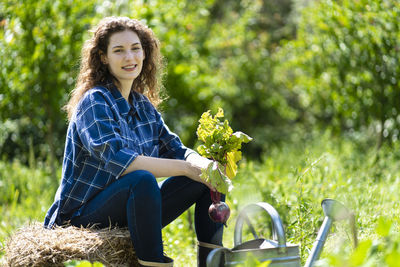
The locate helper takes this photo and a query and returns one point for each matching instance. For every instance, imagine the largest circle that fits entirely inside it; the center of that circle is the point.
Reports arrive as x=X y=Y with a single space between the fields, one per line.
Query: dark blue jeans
x=138 y=202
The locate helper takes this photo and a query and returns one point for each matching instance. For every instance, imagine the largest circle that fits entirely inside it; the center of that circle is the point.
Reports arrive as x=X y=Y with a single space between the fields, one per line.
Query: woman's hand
x=195 y=164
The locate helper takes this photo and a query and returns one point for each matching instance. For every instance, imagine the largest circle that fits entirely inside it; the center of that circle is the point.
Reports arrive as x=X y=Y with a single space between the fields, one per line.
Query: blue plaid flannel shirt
x=104 y=136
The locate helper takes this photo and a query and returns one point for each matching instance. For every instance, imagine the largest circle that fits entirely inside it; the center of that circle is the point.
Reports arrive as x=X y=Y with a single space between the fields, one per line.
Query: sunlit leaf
x=383 y=227
x=231 y=166
x=393 y=258
x=360 y=254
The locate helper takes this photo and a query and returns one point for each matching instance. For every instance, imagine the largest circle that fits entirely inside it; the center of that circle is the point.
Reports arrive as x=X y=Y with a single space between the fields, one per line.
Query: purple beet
x=219 y=211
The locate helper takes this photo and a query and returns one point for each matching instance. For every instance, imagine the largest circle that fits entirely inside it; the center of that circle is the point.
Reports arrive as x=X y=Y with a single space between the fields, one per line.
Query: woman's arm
x=161 y=167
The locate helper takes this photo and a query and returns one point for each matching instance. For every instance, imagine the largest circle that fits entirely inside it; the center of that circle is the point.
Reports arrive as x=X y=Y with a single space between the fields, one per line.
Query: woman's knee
x=146 y=185
x=200 y=187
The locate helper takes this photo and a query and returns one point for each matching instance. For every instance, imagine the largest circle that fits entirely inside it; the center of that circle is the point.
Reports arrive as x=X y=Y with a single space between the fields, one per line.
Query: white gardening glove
x=199 y=161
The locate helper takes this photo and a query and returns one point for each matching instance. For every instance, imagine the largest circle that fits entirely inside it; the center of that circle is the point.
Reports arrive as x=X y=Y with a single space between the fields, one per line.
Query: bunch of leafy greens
x=222 y=145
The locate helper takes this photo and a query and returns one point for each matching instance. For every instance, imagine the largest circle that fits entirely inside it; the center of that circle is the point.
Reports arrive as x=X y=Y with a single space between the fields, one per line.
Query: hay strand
x=33 y=245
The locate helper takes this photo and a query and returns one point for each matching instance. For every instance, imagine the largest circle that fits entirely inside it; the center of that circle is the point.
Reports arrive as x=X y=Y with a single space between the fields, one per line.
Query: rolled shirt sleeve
x=170 y=144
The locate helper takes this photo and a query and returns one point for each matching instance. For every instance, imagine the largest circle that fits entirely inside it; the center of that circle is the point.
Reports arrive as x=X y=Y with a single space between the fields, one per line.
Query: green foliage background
x=271 y=65
x=308 y=80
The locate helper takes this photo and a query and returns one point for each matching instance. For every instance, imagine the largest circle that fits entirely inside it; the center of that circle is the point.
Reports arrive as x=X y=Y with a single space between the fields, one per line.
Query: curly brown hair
x=93 y=72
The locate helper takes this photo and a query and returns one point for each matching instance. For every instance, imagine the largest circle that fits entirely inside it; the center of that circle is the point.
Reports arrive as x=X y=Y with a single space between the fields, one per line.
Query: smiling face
x=124 y=57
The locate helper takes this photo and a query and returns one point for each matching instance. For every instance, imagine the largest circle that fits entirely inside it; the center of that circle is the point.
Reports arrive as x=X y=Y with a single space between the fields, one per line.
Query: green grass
x=25 y=195
x=294 y=178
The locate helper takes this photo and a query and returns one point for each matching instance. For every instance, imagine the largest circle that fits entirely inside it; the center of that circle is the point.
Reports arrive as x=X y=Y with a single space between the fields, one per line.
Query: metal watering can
x=277 y=251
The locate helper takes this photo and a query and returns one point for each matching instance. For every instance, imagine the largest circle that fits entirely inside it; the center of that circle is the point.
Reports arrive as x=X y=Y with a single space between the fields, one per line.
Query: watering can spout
x=333 y=211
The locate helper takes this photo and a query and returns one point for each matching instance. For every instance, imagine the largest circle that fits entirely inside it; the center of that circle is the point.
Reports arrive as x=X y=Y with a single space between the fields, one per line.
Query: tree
x=40 y=43
x=344 y=66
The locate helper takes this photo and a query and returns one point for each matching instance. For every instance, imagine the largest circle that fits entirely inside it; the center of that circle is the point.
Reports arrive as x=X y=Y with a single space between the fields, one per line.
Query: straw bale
x=33 y=245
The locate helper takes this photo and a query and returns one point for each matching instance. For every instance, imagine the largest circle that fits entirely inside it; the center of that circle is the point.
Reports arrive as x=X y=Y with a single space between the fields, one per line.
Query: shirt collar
x=124 y=107
x=134 y=98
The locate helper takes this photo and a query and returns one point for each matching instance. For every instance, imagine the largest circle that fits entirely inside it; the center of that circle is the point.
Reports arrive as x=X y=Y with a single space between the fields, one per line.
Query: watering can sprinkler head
x=335 y=210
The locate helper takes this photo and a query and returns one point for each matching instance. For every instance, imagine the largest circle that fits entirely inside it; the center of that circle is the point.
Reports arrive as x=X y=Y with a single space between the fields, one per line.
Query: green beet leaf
x=244 y=138
x=231 y=166
x=216 y=177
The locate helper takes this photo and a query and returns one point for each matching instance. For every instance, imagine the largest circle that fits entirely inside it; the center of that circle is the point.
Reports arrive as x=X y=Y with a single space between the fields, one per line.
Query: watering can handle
x=216 y=256
x=277 y=226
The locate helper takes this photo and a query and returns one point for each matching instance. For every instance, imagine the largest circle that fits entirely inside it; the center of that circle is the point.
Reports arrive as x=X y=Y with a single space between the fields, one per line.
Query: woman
x=117 y=145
